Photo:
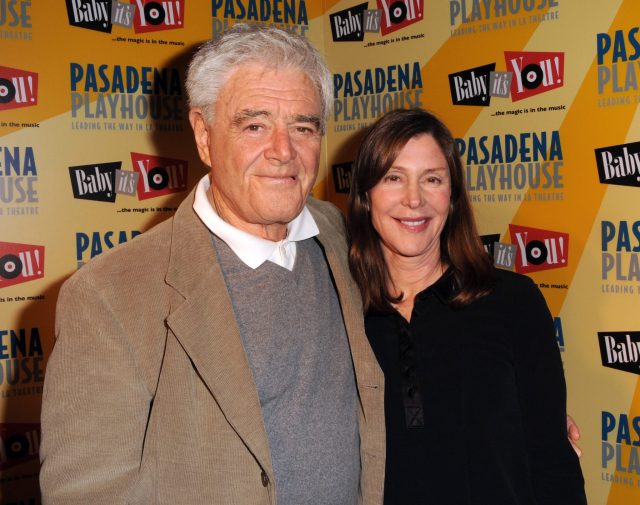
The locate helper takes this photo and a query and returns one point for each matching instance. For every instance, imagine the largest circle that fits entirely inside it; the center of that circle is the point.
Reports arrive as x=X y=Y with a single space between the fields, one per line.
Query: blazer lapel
x=366 y=368
x=203 y=320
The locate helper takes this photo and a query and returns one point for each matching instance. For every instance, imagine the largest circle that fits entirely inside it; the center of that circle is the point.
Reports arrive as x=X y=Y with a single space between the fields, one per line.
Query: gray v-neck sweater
x=296 y=344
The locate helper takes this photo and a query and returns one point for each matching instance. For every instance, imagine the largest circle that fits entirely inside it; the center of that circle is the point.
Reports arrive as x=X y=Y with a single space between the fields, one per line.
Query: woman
x=474 y=387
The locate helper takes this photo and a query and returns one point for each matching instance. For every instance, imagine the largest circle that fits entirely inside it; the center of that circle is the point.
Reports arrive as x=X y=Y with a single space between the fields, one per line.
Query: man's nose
x=280 y=148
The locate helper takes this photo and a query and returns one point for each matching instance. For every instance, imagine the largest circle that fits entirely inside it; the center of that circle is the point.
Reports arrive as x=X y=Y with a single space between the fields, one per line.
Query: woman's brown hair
x=460 y=246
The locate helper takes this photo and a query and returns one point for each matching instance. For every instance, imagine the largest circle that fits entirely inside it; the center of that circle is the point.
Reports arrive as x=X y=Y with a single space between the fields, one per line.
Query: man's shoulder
x=326 y=213
x=138 y=260
x=323 y=207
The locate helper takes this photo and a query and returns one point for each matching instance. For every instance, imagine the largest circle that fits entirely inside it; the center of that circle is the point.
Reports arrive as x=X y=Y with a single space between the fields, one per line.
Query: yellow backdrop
x=543 y=98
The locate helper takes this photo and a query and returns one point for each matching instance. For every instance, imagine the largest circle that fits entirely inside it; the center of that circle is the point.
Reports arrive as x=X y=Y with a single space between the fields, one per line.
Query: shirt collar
x=251 y=249
x=444 y=288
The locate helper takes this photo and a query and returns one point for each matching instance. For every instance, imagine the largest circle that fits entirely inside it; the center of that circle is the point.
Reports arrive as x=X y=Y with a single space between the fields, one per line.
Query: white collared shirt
x=251 y=249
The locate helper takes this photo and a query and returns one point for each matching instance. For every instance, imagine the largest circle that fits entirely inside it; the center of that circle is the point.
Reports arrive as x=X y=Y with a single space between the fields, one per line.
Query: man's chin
x=282 y=216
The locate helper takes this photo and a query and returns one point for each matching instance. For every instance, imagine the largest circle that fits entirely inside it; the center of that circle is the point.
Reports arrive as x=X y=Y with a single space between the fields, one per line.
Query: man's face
x=263 y=147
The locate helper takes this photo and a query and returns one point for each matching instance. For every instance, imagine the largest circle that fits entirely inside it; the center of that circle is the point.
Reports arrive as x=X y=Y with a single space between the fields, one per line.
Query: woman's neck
x=410 y=276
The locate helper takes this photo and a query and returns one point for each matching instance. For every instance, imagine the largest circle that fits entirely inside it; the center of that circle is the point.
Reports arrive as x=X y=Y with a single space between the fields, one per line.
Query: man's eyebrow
x=241 y=116
x=245 y=114
x=304 y=118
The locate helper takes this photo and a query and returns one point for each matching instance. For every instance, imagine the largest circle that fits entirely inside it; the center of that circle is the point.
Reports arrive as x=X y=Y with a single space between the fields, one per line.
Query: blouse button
x=265 y=478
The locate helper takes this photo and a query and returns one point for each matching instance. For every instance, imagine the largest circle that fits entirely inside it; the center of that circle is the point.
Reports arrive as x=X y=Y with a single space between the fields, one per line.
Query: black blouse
x=475 y=400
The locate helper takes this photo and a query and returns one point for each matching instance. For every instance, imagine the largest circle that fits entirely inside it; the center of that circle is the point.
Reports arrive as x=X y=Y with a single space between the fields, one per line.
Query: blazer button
x=265 y=478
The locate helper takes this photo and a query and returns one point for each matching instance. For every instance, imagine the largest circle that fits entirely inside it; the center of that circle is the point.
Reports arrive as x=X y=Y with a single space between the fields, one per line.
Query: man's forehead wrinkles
x=279 y=89
x=253 y=112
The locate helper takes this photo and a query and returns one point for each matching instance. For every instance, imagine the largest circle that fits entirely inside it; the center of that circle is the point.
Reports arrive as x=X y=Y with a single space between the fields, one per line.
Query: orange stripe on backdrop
x=458 y=54
x=609 y=133
x=585 y=128
x=318 y=9
x=326 y=6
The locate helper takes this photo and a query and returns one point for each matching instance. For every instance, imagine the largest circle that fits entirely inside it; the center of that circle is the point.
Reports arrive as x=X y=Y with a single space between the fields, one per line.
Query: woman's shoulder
x=514 y=289
x=508 y=280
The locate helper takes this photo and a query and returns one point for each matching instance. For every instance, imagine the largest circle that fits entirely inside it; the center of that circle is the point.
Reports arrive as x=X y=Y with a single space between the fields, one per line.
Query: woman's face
x=410 y=204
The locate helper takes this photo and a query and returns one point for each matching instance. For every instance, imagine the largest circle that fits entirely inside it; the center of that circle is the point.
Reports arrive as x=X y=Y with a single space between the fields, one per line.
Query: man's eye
x=254 y=127
x=307 y=130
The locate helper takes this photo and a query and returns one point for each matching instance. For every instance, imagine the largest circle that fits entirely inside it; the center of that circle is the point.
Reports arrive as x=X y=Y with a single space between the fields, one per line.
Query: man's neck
x=274 y=232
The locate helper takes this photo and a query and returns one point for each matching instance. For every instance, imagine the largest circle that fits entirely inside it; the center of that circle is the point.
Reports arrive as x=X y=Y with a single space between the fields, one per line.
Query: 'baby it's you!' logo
x=90 y=14
x=20 y=263
x=18 y=88
x=154 y=16
x=471 y=86
x=539 y=249
x=534 y=72
x=350 y=24
x=398 y=14
x=94 y=182
x=19 y=443
x=141 y=15
x=619 y=164
x=159 y=176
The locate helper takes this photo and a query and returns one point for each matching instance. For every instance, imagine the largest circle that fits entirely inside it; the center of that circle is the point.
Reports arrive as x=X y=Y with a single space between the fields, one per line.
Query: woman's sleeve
x=555 y=468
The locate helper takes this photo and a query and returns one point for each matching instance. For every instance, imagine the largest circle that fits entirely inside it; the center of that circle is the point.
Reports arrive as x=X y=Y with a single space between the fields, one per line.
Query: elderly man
x=220 y=358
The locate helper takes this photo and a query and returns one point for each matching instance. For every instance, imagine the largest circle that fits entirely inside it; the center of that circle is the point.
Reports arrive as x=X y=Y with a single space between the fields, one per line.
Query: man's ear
x=200 y=134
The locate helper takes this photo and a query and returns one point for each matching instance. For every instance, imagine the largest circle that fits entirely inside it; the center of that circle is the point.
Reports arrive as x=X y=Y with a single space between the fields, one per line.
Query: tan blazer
x=148 y=396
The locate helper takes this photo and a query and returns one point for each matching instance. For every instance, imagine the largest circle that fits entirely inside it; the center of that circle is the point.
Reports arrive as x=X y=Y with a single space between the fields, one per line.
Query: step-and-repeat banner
x=542 y=96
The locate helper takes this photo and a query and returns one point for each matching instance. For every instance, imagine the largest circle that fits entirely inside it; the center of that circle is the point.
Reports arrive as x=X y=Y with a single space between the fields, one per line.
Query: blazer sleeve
x=556 y=474
x=95 y=407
